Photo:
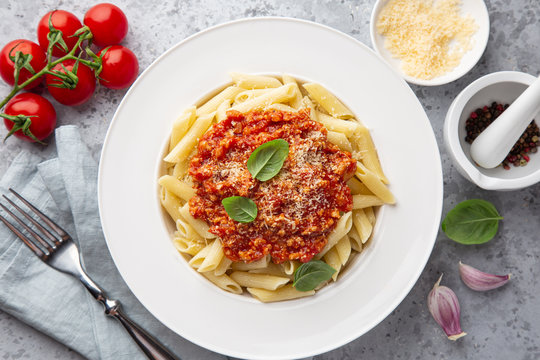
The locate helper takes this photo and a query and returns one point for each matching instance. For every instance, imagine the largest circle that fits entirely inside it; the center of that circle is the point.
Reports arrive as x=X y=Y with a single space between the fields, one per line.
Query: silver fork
x=59 y=251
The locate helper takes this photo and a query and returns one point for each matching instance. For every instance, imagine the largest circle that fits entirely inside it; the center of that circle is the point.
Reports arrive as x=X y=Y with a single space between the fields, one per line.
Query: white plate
x=476 y=8
x=235 y=325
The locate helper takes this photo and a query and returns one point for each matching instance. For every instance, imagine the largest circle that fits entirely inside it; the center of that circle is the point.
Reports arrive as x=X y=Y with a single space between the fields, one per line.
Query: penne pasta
x=188 y=142
x=287 y=292
x=197 y=260
x=370 y=215
x=333 y=260
x=198 y=225
x=181 y=126
x=259 y=264
x=247 y=81
x=342 y=228
x=272 y=269
x=281 y=107
x=184 y=230
x=307 y=103
x=281 y=94
x=346 y=127
x=180 y=169
x=362 y=225
x=224 y=282
x=357 y=187
x=221 y=112
x=261 y=281
x=171 y=203
x=343 y=248
x=356 y=241
x=374 y=184
x=290 y=266
x=364 y=201
x=328 y=101
x=224 y=265
x=296 y=101
x=213 y=258
x=187 y=246
x=366 y=147
x=177 y=187
x=211 y=105
x=340 y=140
x=248 y=95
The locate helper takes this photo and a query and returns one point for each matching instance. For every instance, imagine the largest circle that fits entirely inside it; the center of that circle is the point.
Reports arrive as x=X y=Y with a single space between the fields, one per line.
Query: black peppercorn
x=482 y=117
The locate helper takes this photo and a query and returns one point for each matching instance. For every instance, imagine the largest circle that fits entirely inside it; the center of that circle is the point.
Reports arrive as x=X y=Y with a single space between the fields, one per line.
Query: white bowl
x=503 y=87
x=239 y=326
x=476 y=8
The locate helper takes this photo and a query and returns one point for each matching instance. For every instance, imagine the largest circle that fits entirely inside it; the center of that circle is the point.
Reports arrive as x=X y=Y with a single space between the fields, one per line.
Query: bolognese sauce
x=297 y=209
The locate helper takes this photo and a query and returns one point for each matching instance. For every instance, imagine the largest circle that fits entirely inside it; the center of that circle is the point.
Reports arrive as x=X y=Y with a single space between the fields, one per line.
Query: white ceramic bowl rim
x=345 y=309
x=452 y=132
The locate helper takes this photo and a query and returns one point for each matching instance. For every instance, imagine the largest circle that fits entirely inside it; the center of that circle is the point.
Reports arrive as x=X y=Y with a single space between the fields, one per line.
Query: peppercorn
x=528 y=143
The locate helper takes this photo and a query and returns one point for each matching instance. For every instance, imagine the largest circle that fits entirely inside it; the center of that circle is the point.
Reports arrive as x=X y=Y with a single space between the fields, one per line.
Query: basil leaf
x=311 y=274
x=240 y=208
x=265 y=161
x=472 y=222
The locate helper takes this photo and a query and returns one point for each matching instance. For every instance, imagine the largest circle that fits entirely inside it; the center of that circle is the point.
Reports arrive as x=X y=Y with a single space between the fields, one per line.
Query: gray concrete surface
x=501 y=324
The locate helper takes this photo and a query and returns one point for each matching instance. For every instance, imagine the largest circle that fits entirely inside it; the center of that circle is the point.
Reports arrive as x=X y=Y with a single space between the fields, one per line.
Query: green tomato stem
x=46 y=70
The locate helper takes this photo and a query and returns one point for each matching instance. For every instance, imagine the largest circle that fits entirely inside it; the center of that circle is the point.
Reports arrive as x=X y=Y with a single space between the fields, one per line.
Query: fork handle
x=152 y=349
x=150 y=346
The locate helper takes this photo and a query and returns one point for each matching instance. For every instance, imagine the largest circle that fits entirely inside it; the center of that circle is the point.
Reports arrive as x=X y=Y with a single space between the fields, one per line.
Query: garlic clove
x=443 y=305
x=479 y=280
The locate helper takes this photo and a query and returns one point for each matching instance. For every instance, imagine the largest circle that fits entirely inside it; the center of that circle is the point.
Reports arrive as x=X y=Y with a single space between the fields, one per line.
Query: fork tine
x=38 y=225
x=54 y=226
x=36 y=236
x=36 y=249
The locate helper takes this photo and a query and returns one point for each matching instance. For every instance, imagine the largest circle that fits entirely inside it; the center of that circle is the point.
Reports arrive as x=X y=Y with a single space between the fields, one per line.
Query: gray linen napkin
x=65 y=188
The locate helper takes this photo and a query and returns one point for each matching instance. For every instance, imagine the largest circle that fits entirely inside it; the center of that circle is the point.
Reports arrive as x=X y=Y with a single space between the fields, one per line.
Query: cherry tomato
x=7 y=67
x=119 y=67
x=29 y=104
x=82 y=92
x=63 y=21
x=108 y=24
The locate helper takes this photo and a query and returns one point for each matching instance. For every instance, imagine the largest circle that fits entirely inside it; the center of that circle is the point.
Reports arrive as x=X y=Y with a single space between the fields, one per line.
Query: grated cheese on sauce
x=430 y=37
x=297 y=209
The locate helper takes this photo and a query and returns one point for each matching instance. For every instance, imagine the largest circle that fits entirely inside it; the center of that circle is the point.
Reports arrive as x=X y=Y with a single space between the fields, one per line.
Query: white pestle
x=494 y=143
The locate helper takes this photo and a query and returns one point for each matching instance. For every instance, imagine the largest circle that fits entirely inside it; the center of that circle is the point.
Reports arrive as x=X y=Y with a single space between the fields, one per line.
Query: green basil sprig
x=472 y=222
x=309 y=275
x=265 y=161
x=240 y=208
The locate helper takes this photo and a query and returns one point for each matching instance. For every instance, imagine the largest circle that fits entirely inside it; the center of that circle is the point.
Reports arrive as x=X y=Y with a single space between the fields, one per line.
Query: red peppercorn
x=529 y=142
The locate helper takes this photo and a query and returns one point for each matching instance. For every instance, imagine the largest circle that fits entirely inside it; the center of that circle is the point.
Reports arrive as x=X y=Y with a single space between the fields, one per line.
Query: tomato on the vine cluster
x=108 y=24
x=40 y=110
x=7 y=66
x=85 y=86
x=68 y=62
x=63 y=21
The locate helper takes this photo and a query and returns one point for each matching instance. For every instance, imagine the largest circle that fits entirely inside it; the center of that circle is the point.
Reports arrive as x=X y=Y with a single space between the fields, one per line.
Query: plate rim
x=432 y=232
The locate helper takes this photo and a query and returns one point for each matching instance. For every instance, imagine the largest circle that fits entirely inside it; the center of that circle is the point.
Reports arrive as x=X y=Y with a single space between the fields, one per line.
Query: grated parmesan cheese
x=429 y=37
